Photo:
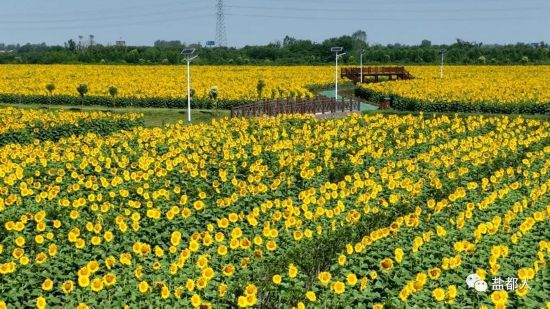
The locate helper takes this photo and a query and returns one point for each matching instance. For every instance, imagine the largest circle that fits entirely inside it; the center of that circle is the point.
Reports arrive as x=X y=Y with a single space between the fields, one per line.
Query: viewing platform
x=373 y=74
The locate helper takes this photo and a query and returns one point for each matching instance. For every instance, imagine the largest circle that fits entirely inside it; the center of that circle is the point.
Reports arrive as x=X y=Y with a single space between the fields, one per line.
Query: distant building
x=120 y=43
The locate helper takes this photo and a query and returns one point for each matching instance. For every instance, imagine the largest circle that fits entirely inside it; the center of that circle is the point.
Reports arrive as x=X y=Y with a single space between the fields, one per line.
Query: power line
x=372 y=3
x=416 y=19
x=111 y=25
x=103 y=10
x=104 y=18
x=370 y=10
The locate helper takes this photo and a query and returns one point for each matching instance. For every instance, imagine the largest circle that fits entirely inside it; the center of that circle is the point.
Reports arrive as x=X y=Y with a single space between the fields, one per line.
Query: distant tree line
x=289 y=51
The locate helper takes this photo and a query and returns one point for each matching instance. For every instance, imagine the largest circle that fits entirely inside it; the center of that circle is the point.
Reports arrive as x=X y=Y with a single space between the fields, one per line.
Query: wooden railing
x=354 y=74
x=375 y=70
x=318 y=105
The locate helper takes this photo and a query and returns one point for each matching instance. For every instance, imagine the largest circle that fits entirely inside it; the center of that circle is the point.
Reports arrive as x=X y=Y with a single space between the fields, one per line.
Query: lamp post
x=188 y=53
x=362 y=53
x=336 y=50
x=443 y=52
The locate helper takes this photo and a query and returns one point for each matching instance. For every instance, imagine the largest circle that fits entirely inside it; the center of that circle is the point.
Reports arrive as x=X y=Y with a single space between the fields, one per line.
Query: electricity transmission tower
x=221 y=37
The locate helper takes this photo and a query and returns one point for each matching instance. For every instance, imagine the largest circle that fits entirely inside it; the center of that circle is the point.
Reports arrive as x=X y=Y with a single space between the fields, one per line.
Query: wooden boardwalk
x=391 y=73
x=316 y=106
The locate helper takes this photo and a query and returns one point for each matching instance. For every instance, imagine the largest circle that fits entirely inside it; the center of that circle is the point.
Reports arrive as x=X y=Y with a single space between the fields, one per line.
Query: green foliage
x=482 y=59
x=196 y=103
x=113 y=91
x=524 y=60
x=82 y=89
x=50 y=88
x=290 y=51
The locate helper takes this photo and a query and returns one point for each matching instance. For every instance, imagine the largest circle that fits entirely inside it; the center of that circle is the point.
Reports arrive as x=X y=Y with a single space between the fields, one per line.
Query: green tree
x=524 y=60
x=113 y=91
x=82 y=90
x=361 y=36
x=50 y=88
x=71 y=45
x=482 y=59
x=359 y=41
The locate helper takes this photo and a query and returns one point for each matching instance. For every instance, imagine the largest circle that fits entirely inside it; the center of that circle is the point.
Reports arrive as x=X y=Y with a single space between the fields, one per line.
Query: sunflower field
x=27 y=125
x=233 y=82
x=366 y=211
x=491 y=88
x=17 y=119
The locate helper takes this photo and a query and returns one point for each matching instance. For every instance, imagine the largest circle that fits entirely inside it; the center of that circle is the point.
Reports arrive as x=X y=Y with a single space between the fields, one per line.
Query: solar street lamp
x=362 y=53
x=188 y=54
x=443 y=52
x=336 y=51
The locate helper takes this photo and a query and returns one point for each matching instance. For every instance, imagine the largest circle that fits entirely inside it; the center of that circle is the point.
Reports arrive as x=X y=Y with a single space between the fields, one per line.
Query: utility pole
x=188 y=53
x=362 y=53
x=443 y=52
x=336 y=50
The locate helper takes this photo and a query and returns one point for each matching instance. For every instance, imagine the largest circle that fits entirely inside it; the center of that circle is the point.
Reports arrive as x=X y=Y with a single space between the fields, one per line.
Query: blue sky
x=141 y=22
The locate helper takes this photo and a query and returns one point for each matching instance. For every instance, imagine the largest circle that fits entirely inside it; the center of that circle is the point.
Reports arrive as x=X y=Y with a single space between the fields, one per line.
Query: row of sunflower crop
x=27 y=125
x=231 y=82
x=499 y=84
x=258 y=212
x=491 y=89
x=157 y=102
x=401 y=103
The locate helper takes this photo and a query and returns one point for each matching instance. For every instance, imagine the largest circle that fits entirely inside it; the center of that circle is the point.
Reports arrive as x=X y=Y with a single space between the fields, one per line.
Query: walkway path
x=364 y=106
